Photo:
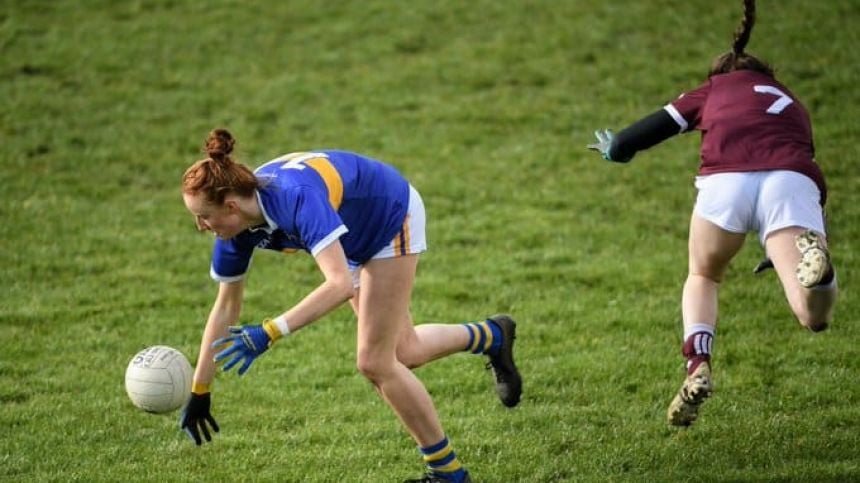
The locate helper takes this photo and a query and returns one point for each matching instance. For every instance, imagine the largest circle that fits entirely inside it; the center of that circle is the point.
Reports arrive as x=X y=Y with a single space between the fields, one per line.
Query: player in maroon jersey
x=757 y=174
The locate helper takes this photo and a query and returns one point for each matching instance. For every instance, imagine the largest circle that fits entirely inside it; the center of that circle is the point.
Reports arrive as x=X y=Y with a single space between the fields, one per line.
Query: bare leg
x=428 y=342
x=813 y=307
x=425 y=343
x=710 y=250
x=383 y=318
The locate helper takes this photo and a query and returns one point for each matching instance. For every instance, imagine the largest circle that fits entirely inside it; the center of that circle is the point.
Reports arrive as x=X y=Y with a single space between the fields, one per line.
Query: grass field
x=486 y=107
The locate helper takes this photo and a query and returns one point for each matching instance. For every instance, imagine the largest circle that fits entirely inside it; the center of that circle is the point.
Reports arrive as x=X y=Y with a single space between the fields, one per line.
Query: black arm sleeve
x=642 y=134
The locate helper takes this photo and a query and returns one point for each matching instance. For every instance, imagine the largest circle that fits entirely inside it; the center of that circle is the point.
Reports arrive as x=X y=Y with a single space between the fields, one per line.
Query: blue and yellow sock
x=484 y=337
x=442 y=461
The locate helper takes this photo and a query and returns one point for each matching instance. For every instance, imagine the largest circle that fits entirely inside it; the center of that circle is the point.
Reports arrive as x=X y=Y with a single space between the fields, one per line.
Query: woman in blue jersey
x=757 y=174
x=364 y=225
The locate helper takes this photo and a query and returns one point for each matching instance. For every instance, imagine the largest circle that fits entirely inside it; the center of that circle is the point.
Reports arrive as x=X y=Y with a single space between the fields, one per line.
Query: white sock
x=692 y=329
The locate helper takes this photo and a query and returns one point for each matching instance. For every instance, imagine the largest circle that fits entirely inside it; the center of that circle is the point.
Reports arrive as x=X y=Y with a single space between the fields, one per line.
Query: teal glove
x=604 y=144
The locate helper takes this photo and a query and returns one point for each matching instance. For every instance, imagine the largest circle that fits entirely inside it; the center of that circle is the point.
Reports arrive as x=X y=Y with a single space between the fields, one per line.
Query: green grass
x=486 y=107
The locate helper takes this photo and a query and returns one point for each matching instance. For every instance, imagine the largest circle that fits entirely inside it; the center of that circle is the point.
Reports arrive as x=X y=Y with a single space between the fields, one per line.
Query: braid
x=738 y=58
x=742 y=34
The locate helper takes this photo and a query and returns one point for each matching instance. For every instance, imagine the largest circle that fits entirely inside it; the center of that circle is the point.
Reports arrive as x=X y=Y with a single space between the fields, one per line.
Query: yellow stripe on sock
x=442 y=453
x=488 y=342
x=476 y=338
x=449 y=468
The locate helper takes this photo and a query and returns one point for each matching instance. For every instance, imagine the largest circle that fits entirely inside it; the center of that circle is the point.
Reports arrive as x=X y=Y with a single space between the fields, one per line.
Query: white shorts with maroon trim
x=760 y=201
x=411 y=240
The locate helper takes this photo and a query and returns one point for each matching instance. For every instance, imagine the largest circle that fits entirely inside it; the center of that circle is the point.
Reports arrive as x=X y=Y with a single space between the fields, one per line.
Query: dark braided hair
x=737 y=58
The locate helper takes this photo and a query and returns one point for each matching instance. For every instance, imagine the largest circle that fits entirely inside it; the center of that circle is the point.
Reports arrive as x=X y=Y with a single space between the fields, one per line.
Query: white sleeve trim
x=219 y=278
x=676 y=116
x=328 y=240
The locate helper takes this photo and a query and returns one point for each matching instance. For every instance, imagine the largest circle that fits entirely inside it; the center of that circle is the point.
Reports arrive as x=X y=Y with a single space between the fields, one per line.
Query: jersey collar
x=270 y=225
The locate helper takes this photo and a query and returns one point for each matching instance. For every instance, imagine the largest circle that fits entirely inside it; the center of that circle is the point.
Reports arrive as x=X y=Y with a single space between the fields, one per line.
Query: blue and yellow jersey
x=311 y=199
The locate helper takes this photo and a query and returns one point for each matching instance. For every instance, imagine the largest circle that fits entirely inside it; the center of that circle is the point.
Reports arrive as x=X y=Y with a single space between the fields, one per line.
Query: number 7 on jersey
x=778 y=105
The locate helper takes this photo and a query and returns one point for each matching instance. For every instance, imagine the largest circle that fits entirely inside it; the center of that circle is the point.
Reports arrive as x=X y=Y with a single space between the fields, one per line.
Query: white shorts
x=761 y=201
x=411 y=240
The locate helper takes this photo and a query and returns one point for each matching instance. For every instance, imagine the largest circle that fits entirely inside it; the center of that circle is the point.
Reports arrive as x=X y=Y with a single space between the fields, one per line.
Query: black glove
x=194 y=417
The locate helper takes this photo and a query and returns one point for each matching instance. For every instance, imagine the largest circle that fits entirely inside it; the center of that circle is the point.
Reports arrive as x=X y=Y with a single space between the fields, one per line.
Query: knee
x=812 y=322
x=367 y=368
x=373 y=368
x=815 y=325
x=712 y=277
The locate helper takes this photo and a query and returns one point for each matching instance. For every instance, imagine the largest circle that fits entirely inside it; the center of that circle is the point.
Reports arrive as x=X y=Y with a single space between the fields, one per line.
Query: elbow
x=349 y=291
x=344 y=288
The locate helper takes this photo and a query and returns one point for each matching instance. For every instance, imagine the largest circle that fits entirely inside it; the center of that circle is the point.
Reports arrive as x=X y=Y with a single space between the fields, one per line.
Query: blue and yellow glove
x=247 y=342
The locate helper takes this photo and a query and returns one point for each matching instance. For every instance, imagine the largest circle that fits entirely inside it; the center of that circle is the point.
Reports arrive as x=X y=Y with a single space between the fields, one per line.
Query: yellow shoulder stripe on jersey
x=331 y=178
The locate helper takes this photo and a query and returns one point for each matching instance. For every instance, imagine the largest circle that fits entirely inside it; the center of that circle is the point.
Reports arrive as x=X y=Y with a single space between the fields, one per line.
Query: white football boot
x=814 y=262
x=697 y=387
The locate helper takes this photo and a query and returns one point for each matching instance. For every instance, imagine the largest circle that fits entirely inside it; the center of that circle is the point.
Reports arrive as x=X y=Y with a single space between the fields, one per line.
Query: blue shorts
x=411 y=239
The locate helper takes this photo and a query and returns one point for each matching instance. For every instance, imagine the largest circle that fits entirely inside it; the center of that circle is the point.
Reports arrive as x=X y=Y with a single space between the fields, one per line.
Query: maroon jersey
x=749 y=122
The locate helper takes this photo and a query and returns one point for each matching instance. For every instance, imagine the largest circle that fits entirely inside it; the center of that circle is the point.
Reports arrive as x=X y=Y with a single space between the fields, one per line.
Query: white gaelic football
x=158 y=379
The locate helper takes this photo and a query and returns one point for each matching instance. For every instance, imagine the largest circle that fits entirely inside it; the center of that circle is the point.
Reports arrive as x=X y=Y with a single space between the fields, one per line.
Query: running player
x=364 y=225
x=757 y=174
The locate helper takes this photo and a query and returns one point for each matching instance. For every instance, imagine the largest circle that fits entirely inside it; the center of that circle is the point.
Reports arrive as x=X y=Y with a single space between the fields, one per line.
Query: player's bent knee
x=817 y=326
x=373 y=369
x=366 y=369
x=813 y=323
